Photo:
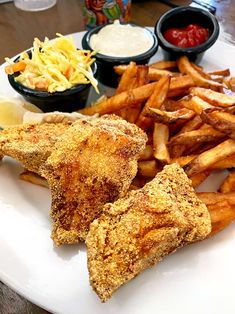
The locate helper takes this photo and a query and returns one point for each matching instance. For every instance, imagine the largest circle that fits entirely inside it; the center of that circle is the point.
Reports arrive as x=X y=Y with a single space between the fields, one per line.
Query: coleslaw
x=54 y=66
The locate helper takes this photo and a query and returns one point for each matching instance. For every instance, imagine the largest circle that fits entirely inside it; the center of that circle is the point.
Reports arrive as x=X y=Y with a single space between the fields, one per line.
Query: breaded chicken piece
x=31 y=144
x=136 y=232
x=94 y=163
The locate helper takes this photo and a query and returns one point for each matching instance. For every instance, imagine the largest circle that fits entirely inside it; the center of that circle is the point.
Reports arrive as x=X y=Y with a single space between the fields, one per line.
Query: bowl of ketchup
x=186 y=31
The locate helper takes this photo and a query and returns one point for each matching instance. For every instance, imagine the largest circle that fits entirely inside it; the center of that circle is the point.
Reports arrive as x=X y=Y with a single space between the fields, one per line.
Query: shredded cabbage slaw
x=54 y=66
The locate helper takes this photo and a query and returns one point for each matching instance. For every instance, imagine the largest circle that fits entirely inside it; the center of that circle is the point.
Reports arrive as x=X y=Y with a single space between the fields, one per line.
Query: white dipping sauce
x=121 y=40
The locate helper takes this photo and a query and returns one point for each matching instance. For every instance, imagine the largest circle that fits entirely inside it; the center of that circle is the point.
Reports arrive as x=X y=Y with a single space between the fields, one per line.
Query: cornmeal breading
x=31 y=144
x=93 y=163
x=137 y=231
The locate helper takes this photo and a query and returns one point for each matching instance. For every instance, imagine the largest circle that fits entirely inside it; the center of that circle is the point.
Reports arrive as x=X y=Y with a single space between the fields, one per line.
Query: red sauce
x=189 y=36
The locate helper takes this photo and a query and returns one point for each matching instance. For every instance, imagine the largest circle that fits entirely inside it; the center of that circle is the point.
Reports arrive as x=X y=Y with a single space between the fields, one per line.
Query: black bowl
x=67 y=101
x=106 y=74
x=181 y=17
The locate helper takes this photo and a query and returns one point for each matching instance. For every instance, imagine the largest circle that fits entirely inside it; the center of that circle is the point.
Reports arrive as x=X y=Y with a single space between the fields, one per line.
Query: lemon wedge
x=12 y=111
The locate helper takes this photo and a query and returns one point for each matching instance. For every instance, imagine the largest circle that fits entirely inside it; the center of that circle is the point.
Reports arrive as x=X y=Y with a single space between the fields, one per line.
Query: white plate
x=196 y=279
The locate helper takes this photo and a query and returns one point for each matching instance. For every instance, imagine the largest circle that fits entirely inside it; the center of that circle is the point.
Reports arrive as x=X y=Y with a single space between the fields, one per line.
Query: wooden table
x=17 y=31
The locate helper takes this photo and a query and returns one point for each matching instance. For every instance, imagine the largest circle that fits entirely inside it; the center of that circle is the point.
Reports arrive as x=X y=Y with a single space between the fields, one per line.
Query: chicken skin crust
x=136 y=232
x=93 y=163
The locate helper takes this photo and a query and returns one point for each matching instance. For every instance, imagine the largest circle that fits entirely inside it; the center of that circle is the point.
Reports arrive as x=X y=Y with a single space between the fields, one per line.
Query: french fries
x=198 y=178
x=155 y=101
x=213 y=97
x=148 y=168
x=227 y=163
x=160 y=139
x=209 y=157
x=153 y=75
x=210 y=198
x=222 y=121
x=197 y=136
x=189 y=117
x=222 y=214
x=169 y=117
x=186 y=67
x=191 y=125
x=127 y=78
x=229 y=183
x=164 y=65
x=122 y=100
x=147 y=154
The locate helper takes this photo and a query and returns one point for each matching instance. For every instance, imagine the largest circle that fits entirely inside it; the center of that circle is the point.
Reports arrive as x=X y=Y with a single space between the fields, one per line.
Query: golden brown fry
x=226 y=163
x=217 y=78
x=186 y=67
x=160 y=139
x=127 y=78
x=147 y=154
x=132 y=113
x=183 y=160
x=222 y=214
x=198 y=178
x=209 y=157
x=148 y=168
x=125 y=99
x=228 y=184
x=225 y=72
x=164 y=65
x=153 y=75
x=156 y=74
x=222 y=121
x=192 y=125
x=169 y=117
x=195 y=103
x=180 y=84
x=155 y=101
x=197 y=136
x=232 y=84
x=200 y=71
x=210 y=198
x=212 y=97
x=176 y=150
x=199 y=148
x=171 y=105
x=33 y=178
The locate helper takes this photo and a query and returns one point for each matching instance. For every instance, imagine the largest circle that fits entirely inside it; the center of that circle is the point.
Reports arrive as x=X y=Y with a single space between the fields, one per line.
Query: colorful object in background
x=98 y=12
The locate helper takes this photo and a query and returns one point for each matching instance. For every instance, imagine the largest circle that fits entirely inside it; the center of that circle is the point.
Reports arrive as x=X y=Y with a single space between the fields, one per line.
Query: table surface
x=18 y=29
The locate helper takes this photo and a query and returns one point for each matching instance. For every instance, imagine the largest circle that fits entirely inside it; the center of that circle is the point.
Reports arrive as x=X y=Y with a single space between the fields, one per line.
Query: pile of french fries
x=188 y=115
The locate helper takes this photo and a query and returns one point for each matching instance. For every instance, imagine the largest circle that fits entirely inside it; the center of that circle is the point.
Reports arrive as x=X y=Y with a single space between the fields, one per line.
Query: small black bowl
x=67 y=101
x=181 y=17
x=106 y=74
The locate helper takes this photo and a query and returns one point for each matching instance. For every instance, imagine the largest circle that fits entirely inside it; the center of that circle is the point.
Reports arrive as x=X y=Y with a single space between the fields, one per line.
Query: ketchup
x=189 y=36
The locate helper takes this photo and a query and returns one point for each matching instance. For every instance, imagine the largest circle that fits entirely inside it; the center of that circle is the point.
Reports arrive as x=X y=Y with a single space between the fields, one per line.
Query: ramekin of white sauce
x=121 y=40
x=117 y=44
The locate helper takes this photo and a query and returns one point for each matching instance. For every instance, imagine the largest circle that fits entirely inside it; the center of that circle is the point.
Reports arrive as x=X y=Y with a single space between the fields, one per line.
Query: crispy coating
x=94 y=163
x=31 y=144
x=137 y=231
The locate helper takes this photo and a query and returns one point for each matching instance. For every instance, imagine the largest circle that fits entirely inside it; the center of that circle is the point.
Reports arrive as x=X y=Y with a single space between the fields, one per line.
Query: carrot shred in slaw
x=54 y=66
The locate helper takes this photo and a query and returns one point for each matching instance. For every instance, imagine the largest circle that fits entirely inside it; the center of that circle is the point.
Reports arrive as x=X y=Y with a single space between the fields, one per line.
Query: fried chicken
x=136 y=232
x=93 y=163
x=31 y=144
